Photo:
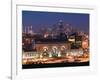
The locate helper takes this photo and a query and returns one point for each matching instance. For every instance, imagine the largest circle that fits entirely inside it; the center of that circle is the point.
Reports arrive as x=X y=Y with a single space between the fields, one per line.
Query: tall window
x=63 y=51
x=55 y=51
x=45 y=52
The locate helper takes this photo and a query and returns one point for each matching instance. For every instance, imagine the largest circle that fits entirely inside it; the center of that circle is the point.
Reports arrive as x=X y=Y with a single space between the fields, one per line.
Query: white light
x=59 y=55
x=41 y=56
x=72 y=40
x=50 y=55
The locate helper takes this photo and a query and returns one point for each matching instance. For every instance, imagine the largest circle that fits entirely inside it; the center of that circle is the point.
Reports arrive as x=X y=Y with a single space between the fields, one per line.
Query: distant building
x=30 y=30
x=75 y=40
x=52 y=47
x=85 y=44
x=54 y=42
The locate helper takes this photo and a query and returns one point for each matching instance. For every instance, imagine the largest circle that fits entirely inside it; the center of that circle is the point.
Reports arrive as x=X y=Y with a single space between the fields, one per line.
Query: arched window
x=45 y=52
x=63 y=48
x=63 y=51
x=45 y=48
x=54 y=49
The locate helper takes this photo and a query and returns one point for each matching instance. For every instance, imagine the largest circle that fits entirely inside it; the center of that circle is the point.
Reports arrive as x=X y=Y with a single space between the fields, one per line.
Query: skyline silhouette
x=38 y=19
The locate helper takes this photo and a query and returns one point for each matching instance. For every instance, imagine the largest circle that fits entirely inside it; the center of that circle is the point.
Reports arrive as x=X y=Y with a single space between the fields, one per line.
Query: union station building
x=52 y=47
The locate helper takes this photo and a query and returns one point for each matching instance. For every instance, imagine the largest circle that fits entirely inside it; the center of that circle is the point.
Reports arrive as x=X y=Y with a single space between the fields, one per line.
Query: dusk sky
x=37 y=19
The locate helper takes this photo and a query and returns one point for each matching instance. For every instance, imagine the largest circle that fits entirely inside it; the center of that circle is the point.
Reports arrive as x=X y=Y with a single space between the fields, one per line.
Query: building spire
x=30 y=29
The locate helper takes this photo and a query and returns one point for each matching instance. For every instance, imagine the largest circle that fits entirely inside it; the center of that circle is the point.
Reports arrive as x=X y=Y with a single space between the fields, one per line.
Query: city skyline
x=38 y=19
x=54 y=39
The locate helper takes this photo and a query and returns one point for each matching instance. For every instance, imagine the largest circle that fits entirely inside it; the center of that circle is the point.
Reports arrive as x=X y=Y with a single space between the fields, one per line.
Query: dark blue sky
x=37 y=19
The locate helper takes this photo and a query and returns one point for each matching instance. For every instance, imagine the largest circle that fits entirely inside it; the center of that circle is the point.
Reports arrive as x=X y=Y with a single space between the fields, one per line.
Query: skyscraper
x=30 y=30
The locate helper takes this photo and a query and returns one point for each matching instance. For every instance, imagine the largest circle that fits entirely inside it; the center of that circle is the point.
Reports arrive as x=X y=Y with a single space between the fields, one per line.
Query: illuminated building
x=85 y=44
x=54 y=42
x=52 y=47
x=71 y=39
x=30 y=30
